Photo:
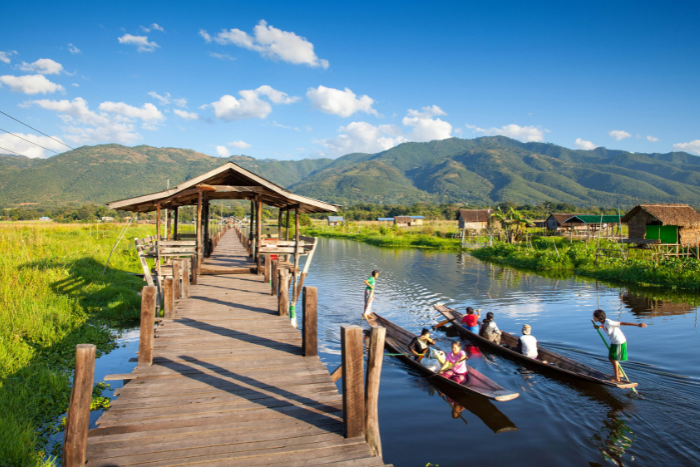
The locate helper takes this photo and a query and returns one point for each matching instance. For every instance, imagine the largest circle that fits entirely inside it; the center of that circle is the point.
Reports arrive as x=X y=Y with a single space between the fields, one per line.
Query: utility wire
x=13 y=118
x=9 y=150
x=28 y=140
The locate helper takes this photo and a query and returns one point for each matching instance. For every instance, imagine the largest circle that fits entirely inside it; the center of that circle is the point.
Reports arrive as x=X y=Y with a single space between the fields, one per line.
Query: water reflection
x=642 y=305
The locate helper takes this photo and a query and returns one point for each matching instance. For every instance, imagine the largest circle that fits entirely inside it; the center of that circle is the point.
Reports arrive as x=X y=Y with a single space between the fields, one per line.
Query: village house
x=669 y=224
x=559 y=221
x=335 y=220
x=474 y=219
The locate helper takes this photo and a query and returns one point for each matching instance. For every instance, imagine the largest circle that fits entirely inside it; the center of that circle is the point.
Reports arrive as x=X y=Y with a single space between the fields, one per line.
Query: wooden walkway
x=229 y=386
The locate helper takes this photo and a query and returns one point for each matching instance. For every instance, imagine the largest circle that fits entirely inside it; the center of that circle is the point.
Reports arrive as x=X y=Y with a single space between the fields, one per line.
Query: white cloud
x=221 y=56
x=45 y=66
x=31 y=84
x=425 y=126
x=27 y=149
x=75 y=85
x=249 y=105
x=115 y=122
x=274 y=123
x=619 y=134
x=652 y=138
x=73 y=49
x=239 y=144
x=363 y=137
x=181 y=102
x=164 y=100
x=692 y=147
x=205 y=35
x=525 y=134
x=583 y=144
x=223 y=151
x=272 y=43
x=341 y=103
x=140 y=41
x=5 y=56
x=186 y=115
x=152 y=27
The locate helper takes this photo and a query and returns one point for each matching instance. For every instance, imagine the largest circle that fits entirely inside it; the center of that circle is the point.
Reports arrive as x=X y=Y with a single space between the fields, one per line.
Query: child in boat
x=618 y=341
x=527 y=344
x=369 y=293
x=456 y=362
x=489 y=329
x=419 y=344
x=471 y=320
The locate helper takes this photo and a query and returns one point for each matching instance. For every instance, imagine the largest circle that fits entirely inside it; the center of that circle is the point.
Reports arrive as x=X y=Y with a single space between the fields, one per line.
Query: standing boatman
x=369 y=293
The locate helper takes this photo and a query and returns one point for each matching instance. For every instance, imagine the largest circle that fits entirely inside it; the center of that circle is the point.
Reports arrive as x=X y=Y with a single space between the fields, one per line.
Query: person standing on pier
x=369 y=293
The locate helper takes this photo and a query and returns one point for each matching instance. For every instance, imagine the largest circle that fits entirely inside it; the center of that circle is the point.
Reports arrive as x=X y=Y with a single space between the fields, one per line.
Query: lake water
x=556 y=421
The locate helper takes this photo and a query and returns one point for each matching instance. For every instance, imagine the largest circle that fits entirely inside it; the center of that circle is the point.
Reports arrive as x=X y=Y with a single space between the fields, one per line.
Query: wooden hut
x=559 y=221
x=408 y=221
x=474 y=219
x=335 y=220
x=666 y=224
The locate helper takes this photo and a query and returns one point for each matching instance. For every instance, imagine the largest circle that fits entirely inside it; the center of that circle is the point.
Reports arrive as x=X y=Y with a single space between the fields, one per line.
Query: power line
x=28 y=140
x=13 y=118
x=9 y=150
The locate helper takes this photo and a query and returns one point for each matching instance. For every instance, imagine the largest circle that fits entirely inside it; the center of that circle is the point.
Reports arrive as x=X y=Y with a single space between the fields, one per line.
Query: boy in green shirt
x=369 y=293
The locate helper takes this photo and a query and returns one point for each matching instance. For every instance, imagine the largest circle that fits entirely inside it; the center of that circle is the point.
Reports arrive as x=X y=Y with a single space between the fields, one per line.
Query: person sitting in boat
x=419 y=344
x=455 y=367
x=527 y=344
x=489 y=329
x=471 y=320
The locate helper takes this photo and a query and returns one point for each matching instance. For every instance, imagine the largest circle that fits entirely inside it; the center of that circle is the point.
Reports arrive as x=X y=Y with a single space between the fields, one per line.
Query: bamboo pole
x=78 y=419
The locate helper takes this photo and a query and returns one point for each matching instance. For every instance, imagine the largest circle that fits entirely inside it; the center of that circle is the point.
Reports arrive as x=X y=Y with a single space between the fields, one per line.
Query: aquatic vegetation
x=392 y=237
x=53 y=297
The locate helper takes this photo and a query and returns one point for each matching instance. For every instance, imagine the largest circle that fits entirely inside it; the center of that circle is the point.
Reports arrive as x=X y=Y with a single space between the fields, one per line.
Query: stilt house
x=474 y=219
x=669 y=224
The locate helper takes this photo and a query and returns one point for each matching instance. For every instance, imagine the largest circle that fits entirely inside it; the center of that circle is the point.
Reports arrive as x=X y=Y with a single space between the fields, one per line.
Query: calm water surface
x=556 y=421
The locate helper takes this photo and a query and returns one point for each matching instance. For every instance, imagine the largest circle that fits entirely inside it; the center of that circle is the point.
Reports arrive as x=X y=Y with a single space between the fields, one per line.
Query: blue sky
x=290 y=80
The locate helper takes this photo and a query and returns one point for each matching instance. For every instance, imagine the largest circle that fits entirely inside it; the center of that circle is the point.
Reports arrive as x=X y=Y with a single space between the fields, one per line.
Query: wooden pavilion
x=229 y=181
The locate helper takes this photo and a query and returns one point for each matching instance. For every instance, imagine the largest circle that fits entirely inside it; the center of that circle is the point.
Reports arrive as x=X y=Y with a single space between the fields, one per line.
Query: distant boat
x=554 y=361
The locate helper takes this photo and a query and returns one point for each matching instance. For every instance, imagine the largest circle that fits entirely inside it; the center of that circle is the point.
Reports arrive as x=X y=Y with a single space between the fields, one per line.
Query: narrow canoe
x=397 y=341
x=555 y=361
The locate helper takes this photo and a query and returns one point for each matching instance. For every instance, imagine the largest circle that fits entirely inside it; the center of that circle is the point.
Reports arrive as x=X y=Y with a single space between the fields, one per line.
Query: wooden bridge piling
x=353 y=381
x=146 y=331
x=78 y=419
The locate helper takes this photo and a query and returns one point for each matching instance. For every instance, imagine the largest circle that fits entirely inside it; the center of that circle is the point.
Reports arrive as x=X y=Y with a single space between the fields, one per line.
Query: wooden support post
x=148 y=314
x=186 y=278
x=295 y=285
x=279 y=225
x=168 y=297
x=267 y=269
x=274 y=277
x=310 y=335
x=283 y=300
x=375 y=357
x=157 y=221
x=207 y=239
x=176 y=219
x=78 y=420
x=251 y=235
x=258 y=233
x=200 y=247
x=176 y=280
x=353 y=380
x=287 y=233
x=195 y=271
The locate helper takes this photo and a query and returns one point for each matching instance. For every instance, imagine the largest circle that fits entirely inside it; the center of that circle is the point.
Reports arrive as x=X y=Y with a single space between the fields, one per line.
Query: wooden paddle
x=624 y=375
x=439 y=325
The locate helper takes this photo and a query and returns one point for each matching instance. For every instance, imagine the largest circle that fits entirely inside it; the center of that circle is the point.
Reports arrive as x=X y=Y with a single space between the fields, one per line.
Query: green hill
x=481 y=171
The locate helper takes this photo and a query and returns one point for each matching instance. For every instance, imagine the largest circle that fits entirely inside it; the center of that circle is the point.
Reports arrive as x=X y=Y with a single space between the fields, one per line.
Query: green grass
x=579 y=257
x=53 y=297
x=389 y=237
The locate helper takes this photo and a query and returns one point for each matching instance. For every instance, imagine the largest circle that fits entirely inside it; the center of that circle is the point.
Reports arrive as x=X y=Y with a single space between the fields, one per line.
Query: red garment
x=470 y=320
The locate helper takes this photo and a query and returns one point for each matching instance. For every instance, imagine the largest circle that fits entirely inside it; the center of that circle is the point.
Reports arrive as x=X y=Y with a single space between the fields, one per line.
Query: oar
x=618 y=363
x=439 y=325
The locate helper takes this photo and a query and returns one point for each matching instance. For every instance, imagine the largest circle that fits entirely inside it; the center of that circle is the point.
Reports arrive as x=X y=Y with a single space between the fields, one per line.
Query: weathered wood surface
x=229 y=386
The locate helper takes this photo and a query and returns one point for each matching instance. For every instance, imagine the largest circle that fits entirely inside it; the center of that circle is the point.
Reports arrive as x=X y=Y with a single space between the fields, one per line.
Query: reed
x=53 y=296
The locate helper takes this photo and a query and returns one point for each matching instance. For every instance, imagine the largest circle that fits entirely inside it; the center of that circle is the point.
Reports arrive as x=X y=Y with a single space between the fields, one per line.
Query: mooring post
x=283 y=300
x=309 y=303
x=168 y=296
x=274 y=277
x=78 y=420
x=185 y=278
x=374 y=373
x=148 y=314
x=176 y=280
x=353 y=380
x=195 y=271
x=267 y=268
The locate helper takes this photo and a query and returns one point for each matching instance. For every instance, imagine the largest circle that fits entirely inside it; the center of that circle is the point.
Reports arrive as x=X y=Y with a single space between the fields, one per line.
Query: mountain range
x=480 y=171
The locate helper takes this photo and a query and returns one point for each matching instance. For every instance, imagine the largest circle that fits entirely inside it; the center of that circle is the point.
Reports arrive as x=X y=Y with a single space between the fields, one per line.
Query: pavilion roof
x=229 y=181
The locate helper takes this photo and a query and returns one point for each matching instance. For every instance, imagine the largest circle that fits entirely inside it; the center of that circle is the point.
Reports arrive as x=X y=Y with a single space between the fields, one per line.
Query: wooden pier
x=229 y=386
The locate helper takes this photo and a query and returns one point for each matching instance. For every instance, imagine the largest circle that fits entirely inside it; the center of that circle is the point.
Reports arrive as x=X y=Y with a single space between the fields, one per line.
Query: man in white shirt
x=527 y=344
x=618 y=342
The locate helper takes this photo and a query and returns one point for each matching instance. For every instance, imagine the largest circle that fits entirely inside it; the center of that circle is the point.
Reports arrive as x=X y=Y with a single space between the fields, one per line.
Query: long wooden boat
x=554 y=361
x=397 y=341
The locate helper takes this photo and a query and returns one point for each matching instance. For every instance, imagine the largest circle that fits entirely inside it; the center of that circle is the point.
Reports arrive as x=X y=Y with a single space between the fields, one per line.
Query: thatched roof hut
x=474 y=219
x=663 y=224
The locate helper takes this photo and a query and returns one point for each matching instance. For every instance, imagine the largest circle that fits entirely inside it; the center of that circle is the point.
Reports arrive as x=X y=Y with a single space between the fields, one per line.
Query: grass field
x=53 y=297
